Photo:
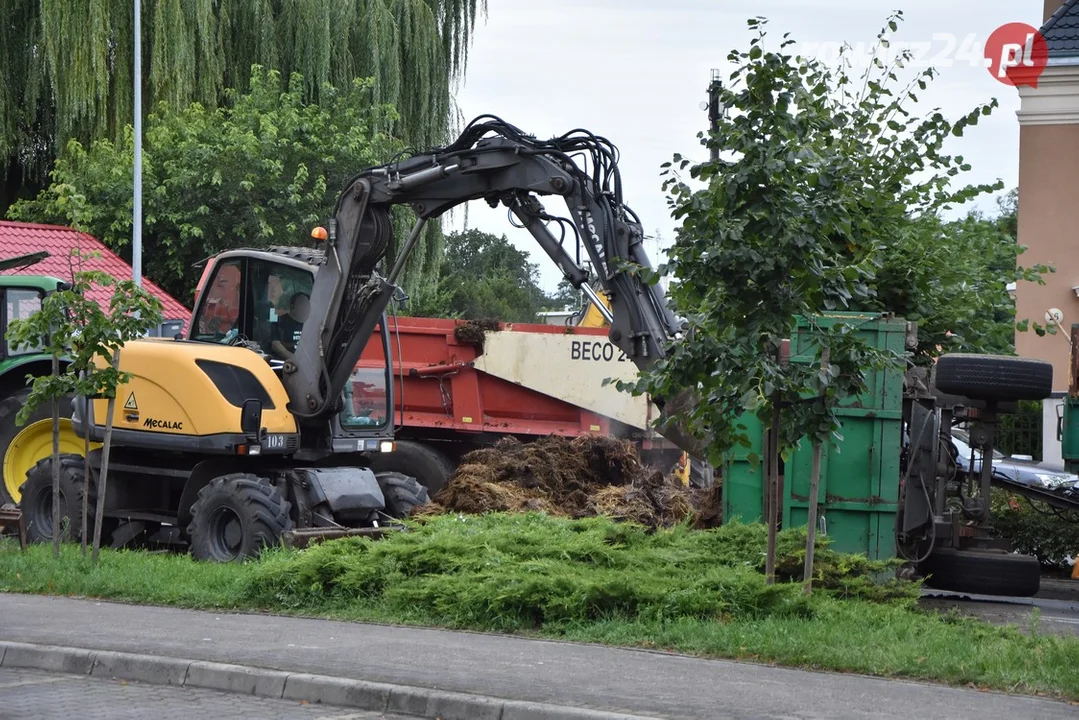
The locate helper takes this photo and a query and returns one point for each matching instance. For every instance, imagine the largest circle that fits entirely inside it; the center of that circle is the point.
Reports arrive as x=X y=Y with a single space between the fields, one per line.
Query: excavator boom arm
x=498 y=163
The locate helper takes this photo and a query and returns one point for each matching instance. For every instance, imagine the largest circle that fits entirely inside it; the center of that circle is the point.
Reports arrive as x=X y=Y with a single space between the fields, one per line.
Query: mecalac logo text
x=162 y=424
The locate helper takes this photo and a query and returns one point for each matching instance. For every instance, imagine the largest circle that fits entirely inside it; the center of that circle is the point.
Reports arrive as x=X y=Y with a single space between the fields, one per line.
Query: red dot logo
x=1016 y=54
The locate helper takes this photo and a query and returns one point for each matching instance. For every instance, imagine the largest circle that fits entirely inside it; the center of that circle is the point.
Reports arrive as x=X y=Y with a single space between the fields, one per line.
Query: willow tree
x=66 y=66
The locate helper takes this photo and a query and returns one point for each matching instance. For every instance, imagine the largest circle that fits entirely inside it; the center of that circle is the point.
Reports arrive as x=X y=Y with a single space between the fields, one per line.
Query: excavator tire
x=402 y=493
x=430 y=466
x=994 y=377
x=36 y=500
x=235 y=516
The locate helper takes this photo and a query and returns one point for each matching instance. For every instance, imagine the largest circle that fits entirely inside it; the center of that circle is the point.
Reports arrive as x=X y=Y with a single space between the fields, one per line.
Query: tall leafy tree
x=66 y=66
x=261 y=171
x=483 y=276
x=565 y=297
x=827 y=194
x=951 y=277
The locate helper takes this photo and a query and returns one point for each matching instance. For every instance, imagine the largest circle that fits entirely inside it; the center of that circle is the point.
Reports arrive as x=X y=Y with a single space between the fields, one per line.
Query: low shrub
x=524 y=571
x=1036 y=529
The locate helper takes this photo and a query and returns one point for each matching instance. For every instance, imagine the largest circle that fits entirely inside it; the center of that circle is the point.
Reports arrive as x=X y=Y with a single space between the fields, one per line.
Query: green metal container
x=743 y=483
x=1069 y=434
x=859 y=485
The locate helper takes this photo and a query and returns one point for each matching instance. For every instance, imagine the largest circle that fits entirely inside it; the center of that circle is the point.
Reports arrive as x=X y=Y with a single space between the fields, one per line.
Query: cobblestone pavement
x=40 y=695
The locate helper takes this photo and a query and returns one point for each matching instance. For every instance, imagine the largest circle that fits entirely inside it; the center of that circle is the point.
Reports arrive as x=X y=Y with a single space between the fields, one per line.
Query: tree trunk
x=772 y=505
x=814 y=490
x=85 y=474
x=99 y=516
x=56 y=464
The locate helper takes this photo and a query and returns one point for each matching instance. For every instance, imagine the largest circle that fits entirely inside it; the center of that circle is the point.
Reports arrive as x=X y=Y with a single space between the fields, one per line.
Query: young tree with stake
x=815 y=178
x=70 y=325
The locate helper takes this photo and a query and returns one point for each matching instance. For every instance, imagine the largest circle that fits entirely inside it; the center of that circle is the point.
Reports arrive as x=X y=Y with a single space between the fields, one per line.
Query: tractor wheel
x=23 y=446
x=235 y=516
x=429 y=466
x=36 y=500
x=402 y=493
x=982 y=573
x=994 y=377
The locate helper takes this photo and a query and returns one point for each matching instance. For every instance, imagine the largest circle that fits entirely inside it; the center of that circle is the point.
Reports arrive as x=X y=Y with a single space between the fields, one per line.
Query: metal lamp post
x=136 y=226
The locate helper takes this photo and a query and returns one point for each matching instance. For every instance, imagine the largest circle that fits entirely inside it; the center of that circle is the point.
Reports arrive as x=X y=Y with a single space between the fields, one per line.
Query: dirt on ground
x=575 y=478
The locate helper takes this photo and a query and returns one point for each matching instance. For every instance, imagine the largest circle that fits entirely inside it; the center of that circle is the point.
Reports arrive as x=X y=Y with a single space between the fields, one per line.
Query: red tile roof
x=24 y=238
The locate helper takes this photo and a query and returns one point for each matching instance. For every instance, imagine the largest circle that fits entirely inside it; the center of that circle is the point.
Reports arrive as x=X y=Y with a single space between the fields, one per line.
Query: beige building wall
x=1049 y=226
x=1049 y=221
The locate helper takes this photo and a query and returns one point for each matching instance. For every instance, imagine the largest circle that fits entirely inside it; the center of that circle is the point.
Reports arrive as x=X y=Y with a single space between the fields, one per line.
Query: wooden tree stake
x=99 y=516
x=55 y=463
x=814 y=490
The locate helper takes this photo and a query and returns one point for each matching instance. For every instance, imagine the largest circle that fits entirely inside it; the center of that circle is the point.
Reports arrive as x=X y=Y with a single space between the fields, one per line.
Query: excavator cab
x=260 y=299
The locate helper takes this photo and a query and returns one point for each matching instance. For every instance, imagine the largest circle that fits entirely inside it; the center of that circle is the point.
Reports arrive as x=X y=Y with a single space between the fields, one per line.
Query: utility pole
x=136 y=223
x=715 y=108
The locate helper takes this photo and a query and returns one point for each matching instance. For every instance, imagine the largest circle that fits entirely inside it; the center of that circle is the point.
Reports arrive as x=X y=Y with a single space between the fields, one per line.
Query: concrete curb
x=262 y=682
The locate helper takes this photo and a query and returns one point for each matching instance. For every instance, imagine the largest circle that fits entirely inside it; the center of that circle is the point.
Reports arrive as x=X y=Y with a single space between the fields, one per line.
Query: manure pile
x=575 y=478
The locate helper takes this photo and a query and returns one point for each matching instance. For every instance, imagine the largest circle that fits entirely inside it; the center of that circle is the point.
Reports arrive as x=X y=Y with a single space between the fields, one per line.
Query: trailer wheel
x=994 y=377
x=430 y=466
x=983 y=573
x=235 y=516
x=36 y=500
x=402 y=493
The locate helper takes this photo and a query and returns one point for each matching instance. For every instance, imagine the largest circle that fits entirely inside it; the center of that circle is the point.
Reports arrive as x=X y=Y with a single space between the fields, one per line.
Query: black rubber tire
x=701 y=474
x=982 y=573
x=9 y=409
x=430 y=466
x=994 y=377
x=235 y=516
x=36 y=504
x=402 y=493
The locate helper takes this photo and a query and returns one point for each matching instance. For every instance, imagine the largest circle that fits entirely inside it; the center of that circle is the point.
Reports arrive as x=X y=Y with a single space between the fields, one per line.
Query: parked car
x=1021 y=469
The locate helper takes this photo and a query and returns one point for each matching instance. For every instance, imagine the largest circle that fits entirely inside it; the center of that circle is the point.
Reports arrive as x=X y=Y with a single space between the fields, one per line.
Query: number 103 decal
x=275 y=442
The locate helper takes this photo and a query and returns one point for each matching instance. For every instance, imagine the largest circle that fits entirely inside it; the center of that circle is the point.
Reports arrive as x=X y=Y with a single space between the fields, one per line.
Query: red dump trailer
x=459 y=386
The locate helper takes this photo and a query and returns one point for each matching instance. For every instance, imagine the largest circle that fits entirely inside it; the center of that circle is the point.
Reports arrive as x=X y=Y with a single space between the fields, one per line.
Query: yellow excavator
x=243 y=433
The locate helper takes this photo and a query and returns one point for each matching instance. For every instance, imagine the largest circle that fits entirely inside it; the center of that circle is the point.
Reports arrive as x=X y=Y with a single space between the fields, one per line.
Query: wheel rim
x=33 y=444
x=226 y=534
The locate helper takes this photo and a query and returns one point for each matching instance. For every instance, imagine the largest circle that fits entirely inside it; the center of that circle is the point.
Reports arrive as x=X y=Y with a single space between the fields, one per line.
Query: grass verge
x=698 y=592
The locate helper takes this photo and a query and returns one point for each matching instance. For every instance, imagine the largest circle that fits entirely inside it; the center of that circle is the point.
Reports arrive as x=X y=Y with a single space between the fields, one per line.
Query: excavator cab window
x=218 y=314
x=252 y=298
x=281 y=301
x=366 y=403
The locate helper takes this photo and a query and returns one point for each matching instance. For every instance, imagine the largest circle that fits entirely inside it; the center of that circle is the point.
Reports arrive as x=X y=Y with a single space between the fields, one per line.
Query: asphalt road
x=1057 y=606
x=586 y=676
x=42 y=696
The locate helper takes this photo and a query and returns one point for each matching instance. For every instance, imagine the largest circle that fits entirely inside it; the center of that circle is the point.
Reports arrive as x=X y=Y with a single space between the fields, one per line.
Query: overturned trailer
x=890 y=488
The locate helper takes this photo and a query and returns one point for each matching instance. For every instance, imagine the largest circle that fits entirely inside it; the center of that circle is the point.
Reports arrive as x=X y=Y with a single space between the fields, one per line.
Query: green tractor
x=21 y=447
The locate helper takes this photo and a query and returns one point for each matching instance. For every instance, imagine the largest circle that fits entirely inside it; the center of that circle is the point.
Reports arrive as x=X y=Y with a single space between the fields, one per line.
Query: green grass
x=698 y=592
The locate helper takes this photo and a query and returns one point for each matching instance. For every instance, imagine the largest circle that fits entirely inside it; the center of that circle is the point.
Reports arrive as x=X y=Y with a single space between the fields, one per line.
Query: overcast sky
x=636 y=72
